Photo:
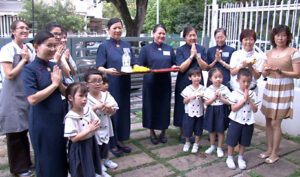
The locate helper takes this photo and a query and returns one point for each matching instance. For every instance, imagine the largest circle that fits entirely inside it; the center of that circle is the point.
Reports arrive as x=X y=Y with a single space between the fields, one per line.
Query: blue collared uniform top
x=157 y=56
x=226 y=55
x=109 y=55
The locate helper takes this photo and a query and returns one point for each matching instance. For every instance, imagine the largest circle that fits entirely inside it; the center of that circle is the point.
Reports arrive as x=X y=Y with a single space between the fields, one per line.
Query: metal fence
x=259 y=15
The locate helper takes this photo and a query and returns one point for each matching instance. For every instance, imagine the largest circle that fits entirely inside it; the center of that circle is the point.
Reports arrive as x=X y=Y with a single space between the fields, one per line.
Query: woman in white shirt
x=247 y=57
x=13 y=103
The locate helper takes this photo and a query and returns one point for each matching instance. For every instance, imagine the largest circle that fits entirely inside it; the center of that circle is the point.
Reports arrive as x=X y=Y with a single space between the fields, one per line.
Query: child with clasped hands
x=240 y=131
x=80 y=126
x=192 y=122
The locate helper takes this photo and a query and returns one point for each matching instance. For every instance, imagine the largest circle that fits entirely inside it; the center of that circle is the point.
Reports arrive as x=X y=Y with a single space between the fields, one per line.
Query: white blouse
x=210 y=92
x=237 y=59
x=106 y=129
x=244 y=115
x=195 y=107
x=75 y=123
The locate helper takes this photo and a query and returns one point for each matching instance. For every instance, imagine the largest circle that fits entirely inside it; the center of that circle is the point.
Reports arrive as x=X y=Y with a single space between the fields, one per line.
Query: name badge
x=225 y=54
x=167 y=53
x=126 y=50
x=199 y=55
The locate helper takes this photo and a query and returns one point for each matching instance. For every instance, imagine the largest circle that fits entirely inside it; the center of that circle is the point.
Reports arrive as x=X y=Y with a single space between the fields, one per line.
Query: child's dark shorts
x=239 y=133
x=192 y=125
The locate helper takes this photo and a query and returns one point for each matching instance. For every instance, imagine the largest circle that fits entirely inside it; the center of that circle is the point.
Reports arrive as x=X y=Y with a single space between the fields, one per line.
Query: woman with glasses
x=43 y=84
x=109 y=60
x=60 y=55
x=13 y=103
x=247 y=57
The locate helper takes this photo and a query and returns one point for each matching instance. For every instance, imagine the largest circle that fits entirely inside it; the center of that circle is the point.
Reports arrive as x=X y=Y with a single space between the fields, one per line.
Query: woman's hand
x=56 y=76
x=245 y=64
x=218 y=56
x=58 y=54
x=193 y=51
x=175 y=66
x=25 y=53
x=113 y=71
x=67 y=55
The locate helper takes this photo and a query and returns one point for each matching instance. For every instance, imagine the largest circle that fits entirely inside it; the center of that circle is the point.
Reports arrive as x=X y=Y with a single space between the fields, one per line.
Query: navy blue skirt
x=84 y=158
x=216 y=118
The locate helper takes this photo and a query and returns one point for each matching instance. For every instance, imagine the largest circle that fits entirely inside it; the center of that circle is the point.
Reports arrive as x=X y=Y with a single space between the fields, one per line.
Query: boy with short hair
x=104 y=105
x=243 y=106
x=192 y=122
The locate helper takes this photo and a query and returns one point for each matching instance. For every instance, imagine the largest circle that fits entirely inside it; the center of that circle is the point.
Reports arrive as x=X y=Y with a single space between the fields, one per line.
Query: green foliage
x=110 y=11
x=175 y=15
x=64 y=14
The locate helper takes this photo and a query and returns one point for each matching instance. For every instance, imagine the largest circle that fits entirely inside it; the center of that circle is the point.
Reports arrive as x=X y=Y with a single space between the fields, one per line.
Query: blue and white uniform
x=216 y=115
x=84 y=157
x=242 y=121
x=193 y=118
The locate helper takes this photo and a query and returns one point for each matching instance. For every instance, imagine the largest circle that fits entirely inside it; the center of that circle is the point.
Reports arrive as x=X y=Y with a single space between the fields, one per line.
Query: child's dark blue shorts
x=239 y=133
x=192 y=125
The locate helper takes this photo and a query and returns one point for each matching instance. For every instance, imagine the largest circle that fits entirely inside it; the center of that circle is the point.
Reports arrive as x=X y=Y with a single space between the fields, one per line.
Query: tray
x=142 y=72
x=165 y=70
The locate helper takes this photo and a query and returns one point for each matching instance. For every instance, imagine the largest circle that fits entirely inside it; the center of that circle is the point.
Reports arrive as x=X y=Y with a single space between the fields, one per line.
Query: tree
x=110 y=11
x=175 y=15
x=64 y=14
x=133 y=25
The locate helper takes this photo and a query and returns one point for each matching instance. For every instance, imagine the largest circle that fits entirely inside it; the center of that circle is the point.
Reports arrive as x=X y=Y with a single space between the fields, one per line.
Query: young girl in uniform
x=104 y=106
x=193 y=118
x=80 y=127
x=215 y=121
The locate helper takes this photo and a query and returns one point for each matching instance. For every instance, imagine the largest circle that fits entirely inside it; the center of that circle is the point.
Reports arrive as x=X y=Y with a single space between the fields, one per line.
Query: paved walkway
x=162 y=160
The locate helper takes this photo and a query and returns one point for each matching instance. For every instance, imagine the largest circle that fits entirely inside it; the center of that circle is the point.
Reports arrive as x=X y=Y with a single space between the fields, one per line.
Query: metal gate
x=259 y=15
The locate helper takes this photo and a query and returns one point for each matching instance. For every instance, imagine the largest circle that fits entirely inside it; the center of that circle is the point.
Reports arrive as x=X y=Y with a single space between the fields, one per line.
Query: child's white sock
x=230 y=157
x=241 y=157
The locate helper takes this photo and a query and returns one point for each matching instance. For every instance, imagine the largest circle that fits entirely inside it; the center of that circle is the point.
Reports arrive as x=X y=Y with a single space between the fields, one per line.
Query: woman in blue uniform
x=219 y=56
x=43 y=85
x=187 y=56
x=157 y=87
x=109 y=60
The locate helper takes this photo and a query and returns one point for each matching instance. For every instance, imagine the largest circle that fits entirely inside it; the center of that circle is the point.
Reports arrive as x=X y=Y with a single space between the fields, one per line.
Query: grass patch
x=293 y=160
x=296 y=173
x=132 y=168
x=252 y=174
x=138 y=130
x=295 y=139
x=4 y=166
x=139 y=115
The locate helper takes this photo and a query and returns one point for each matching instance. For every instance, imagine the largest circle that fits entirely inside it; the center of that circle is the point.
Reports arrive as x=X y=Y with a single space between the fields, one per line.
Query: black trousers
x=18 y=150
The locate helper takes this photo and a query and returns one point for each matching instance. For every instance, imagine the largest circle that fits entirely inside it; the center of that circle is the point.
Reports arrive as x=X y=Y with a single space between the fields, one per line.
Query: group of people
x=37 y=78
